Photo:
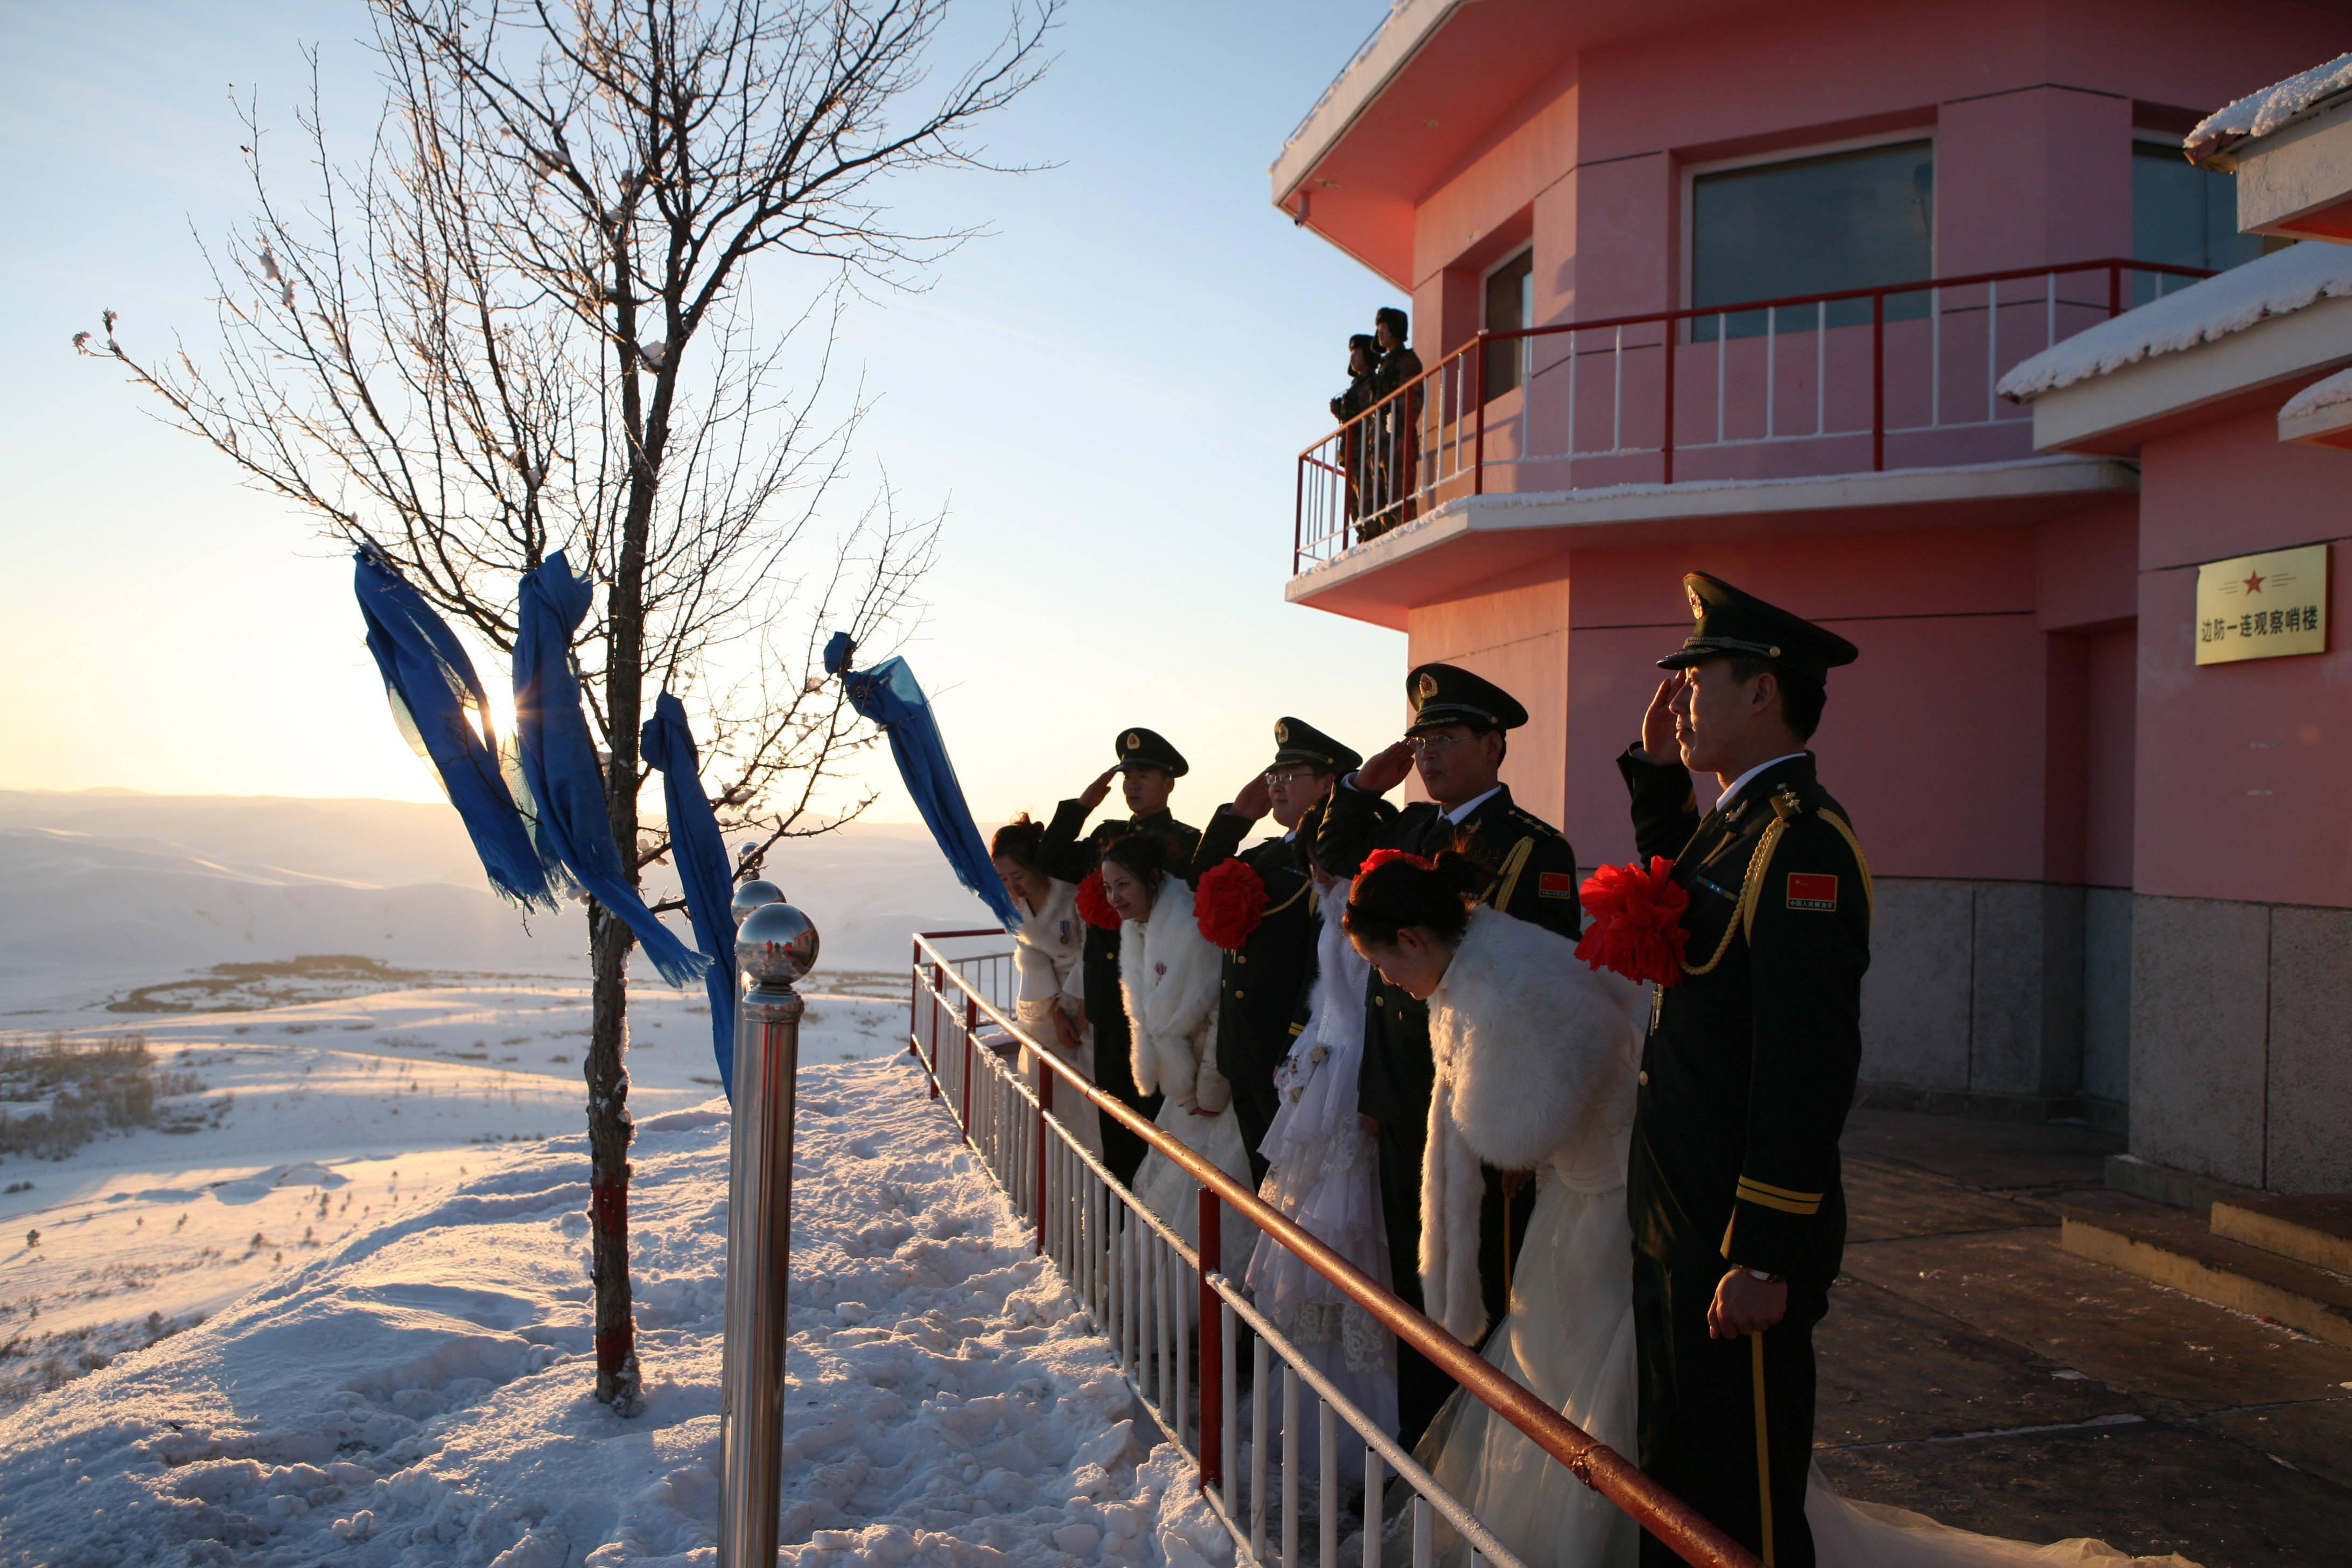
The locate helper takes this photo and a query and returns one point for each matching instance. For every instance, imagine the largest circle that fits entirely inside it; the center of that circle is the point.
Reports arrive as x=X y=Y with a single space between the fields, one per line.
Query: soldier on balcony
x=1396 y=427
x=1457 y=740
x=1363 y=351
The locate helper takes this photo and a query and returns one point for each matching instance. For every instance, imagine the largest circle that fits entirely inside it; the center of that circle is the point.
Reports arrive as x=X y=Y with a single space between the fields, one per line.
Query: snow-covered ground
x=418 y=1390
x=338 y=1313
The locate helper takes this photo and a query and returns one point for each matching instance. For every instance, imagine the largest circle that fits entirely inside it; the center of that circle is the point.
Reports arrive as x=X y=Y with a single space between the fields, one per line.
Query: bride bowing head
x=1132 y=870
x=1406 y=915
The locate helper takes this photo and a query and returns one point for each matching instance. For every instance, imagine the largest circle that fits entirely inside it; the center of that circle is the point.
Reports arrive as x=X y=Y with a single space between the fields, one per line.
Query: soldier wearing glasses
x=1458 y=741
x=1266 y=980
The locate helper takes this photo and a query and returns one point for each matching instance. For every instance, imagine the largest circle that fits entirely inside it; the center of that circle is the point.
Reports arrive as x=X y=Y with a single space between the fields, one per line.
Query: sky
x=1107 y=394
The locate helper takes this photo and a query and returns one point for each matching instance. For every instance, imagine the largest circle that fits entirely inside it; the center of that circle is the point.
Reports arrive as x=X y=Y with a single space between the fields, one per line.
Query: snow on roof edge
x=2278 y=284
x=2260 y=113
x=2325 y=393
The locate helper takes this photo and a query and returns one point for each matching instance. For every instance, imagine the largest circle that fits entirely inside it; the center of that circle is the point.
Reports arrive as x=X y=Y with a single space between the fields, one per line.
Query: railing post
x=1666 y=443
x=1298 y=516
x=1878 y=378
x=1211 y=1230
x=1045 y=1107
x=2114 y=289
x=775 y=946
x=915 y=1001
x=970 y=1027
x=1478 y=438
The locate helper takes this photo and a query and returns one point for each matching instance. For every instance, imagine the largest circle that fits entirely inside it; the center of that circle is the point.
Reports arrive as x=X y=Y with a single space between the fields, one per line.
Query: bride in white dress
x=1324 y=1175
x=1168 y=976
x=1536 y=1056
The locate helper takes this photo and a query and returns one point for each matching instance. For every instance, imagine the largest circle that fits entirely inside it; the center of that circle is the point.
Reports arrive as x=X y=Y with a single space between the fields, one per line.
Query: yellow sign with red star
x=2263 y=606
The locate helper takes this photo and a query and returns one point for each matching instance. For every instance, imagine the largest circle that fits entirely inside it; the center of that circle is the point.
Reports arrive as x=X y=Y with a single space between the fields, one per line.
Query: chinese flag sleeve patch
x=1813 y=890
x=1556 y=885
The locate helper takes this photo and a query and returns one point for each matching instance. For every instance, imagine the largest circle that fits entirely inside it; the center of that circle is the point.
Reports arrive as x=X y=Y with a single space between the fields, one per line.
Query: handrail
x=1591 y=1461
x=1382 y=424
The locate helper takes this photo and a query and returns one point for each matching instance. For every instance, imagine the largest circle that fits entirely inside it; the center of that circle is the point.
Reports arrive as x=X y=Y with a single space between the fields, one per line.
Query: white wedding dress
x=1568 y=1337
x=1048 y=963
x=1324 y=1175
x=1167 y=976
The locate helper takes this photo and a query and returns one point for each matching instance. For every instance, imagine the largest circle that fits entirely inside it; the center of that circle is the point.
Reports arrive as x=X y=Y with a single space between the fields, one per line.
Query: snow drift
x=422 y=1394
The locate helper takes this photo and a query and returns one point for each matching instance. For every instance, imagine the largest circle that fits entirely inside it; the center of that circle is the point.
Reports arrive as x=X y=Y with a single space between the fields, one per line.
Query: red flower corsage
x=1229 y=903
x=1636 y=927
x=1093 y=907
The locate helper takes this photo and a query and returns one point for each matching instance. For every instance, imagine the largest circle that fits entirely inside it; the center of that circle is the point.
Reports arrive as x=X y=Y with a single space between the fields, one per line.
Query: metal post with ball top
x=776 y=945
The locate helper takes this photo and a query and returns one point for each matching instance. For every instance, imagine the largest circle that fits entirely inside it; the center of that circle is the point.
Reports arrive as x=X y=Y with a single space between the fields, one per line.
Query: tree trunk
x=609 y=1132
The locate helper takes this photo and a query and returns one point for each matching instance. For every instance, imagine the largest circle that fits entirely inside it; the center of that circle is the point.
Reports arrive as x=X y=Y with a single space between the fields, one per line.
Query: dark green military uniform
x=1064 y=854
x=1535 y=879
x=1746 y=1078
x=1261 y=991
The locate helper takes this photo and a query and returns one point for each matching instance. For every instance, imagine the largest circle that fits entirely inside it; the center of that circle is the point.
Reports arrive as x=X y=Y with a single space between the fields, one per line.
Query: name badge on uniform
x=1813 y=890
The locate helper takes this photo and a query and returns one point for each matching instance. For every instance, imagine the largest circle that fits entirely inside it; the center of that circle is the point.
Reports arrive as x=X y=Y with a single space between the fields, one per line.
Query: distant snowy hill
x=145 y=887
x=421 y=1391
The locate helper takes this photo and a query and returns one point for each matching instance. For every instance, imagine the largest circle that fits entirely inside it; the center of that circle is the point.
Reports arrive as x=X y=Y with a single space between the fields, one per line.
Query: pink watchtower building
x=1734 y=287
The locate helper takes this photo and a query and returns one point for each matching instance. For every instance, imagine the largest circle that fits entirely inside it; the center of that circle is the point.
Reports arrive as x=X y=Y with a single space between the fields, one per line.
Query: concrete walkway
x=1973 y=1371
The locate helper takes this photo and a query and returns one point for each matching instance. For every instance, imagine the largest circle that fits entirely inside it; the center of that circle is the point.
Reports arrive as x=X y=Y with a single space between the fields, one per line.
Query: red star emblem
x=2254 y=584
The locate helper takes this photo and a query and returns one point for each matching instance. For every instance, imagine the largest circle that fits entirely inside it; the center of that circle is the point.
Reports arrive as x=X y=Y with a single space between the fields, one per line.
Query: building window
x=1510 y=305
x=1813 y=226
x=2184 y=216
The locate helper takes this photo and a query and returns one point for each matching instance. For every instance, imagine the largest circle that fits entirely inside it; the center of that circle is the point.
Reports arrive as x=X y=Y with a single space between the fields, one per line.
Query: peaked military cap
x=1448 y=694
x=1295 y=741
x=1730 y=622
x=1143 y=749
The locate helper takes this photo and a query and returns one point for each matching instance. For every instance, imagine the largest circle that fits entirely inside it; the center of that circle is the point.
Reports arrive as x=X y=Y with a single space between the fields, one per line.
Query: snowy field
x=327 y=1302
x=420 y=1391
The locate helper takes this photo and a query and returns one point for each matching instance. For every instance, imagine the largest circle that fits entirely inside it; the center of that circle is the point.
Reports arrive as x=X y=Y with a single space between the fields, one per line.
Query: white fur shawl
x=1167 y=976
x=1534 y=1054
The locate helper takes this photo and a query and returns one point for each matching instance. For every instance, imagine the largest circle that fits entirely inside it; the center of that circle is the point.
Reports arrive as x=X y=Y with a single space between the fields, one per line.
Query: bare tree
x=520 y=323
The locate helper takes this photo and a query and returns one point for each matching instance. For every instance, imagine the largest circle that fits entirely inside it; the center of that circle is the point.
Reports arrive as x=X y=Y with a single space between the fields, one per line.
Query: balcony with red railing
x=1762 y=396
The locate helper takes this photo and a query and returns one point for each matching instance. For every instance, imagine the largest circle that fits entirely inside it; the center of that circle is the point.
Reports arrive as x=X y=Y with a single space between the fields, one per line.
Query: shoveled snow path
x=424 y=1396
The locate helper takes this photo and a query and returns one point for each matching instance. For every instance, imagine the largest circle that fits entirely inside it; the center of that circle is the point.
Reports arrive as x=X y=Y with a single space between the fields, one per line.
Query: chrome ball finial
x=775 y=946
x=751 y=895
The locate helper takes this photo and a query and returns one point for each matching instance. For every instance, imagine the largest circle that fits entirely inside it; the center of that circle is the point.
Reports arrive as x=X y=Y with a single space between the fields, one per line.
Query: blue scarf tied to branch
x=699 y=852
x=433 y=688
x=559 y=761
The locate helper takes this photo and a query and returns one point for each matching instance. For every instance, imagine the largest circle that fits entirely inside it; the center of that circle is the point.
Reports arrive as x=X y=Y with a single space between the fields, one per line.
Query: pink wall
x=2242 y=767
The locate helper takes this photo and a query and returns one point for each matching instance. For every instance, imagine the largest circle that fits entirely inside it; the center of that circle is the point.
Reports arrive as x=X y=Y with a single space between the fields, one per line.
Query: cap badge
x=1699 y=611
x=1134 y=743
x=1282 y=731
x=1426 y=687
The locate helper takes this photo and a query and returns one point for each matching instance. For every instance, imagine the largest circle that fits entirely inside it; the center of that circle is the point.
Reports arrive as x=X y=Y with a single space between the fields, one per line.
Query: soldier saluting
x=1147 y=768
x=1738 y=1221
x=1457 y=740
x=1261 y=992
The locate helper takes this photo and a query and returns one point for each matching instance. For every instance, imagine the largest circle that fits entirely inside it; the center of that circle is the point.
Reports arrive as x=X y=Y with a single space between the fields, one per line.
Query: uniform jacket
x=1065 y=856
x=1535 y=878
x=1751 y=1061
x=1168 y=978
x=1533 y=1054
x=1262 y=987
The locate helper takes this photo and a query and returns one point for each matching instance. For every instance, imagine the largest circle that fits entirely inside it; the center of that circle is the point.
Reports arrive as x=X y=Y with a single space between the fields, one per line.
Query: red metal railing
x=1811 y=384
x=1011 y=1129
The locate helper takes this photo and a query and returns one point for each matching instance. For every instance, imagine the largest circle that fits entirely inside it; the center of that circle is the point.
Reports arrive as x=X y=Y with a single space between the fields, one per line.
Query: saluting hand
x=1252 y=800
x=1658 y=724
x=1744 y=1305
x=1386 y=769
x=1095 y=793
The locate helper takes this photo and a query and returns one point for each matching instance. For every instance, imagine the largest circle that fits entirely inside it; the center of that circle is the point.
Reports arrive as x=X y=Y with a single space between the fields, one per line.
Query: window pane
x=1814 y=225
x=2184 y=216
x=1510 y=305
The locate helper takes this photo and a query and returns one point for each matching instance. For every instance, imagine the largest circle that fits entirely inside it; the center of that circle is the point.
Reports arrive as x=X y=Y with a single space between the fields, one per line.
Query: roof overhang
x=2112 y=414
x=2320 y=415
x=1477 y=540
x=1424 y=95
x=2297 y=182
